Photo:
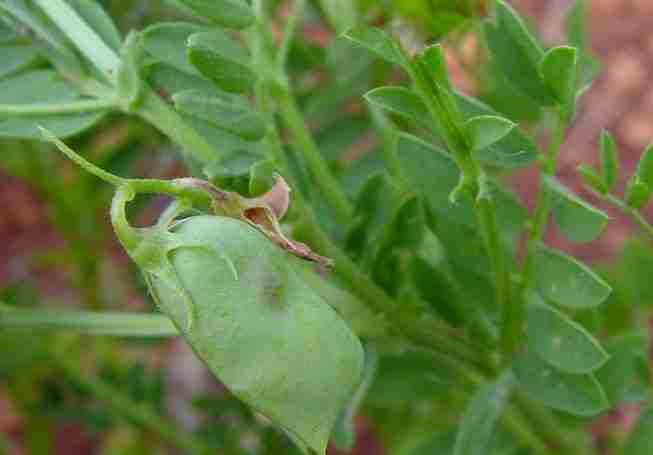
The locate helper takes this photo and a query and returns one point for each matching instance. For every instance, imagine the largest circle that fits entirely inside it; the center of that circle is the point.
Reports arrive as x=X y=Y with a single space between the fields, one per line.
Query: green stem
x=388 y=133
x=305 y=145
x=73 y=107
x=486 y=213
x=289 y=33
x=448 y=120
x=512 y=420
x=139 y=412
x=632 y=213
x=90 y=322
x=543 y=208
x=548 y=426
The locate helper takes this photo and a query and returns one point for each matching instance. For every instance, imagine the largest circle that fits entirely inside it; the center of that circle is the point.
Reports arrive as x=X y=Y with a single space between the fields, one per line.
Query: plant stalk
x=634 y=214
x=306 y=146
x=90 y=322
x=73 y=107
x=542 y=211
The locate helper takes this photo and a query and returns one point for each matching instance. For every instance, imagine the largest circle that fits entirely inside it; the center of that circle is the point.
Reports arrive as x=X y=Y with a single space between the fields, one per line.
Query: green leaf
x=222 y=60
x=626 y=377
x=227 y=13
x=342 y=14
x=101 y=23
x=166 y=42
x=561 y=342
x=234 y=164
x=558 y=69
x=592 y=179
x=577 y=220
x=568 y=282
x=260 y=327
x=408 y=376
x=645 y=167
x=379 y=43
x=609 y=160
x=17 y=57
x=486 y=130
x=433 y=58
x=407 y=228
x=32 y=17
x=641 y=439
x=578 y=33
x=478 y=424
x=168 y=80
x=400 y=101
x=434 y=175
x=222 y=140
x=42 y=88
x=230 y=112
x=638 y=193
x=577 y=25
x=516 y=53
x=512 y=151
x=580 y=395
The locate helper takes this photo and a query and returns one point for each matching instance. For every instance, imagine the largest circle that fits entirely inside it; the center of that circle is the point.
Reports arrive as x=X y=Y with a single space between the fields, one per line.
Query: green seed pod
x=267 y=335
x=240 y=294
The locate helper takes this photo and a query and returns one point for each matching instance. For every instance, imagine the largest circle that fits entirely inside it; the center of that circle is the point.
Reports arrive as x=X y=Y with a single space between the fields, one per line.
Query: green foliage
x=344 y=241
x=567 y=282
x=578 y=221
x=577 y=394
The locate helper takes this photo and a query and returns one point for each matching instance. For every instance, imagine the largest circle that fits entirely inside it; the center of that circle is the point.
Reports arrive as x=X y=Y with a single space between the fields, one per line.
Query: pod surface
x=260 y=328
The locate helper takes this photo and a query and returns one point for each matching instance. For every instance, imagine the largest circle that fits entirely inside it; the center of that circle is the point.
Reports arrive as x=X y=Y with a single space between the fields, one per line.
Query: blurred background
x=57 y=251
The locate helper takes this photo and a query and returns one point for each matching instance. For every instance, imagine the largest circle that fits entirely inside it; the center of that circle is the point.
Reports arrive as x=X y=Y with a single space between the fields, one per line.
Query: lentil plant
x=344 y=242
